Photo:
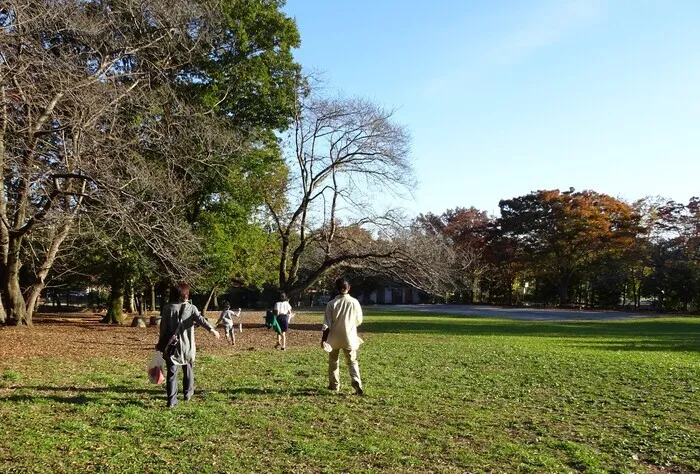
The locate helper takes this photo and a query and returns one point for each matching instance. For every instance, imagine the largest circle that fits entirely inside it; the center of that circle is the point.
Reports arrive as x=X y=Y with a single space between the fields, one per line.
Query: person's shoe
x=334 y=389
x=358 y=388
x=283 y=348
x=188 y=397
x=171 y=405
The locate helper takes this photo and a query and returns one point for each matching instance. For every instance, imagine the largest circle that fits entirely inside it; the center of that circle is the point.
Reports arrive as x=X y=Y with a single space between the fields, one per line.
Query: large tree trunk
x=115 y=306
x=15 y=310
x=34 y=294
x=131 y=297
x=49 y=259
x=13 y=302
x=564 y=283
x=153 y=296
x=3 y=315
x=511 y=283
x=563 y=294
x=4 y=235
x=206 y=305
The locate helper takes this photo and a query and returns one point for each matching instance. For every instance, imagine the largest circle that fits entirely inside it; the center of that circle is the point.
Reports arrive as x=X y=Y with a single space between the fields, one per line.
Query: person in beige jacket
x=343 y=315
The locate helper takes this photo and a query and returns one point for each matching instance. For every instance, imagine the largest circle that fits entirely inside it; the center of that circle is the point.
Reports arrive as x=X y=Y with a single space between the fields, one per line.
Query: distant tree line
x=579 y=248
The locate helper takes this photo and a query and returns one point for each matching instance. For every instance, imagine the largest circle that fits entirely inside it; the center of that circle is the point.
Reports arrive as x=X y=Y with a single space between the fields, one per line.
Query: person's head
x=227 y=305
x=342 y=285
x=180 y=292
x=283 y=296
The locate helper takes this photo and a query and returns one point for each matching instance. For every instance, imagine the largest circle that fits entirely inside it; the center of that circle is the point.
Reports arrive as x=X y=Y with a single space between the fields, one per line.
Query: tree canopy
x=143 y=142
x=126 y=114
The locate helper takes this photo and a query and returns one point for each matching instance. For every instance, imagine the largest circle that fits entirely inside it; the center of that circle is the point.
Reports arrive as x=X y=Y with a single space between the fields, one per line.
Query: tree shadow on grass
x=72 y=400
x=121 y=389
x=76 y=400
x=137 y=345
x=82 y=395
x=656 y=345
x=640 y=335
x=239 y=392
x=85 y=395
x=305 y=327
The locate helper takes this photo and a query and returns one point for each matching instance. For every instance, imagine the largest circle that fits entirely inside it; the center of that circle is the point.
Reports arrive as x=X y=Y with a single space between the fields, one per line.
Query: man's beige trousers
x=334 y=371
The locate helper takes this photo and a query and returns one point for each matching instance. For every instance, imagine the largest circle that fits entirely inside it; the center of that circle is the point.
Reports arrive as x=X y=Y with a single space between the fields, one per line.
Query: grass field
x=443 y=394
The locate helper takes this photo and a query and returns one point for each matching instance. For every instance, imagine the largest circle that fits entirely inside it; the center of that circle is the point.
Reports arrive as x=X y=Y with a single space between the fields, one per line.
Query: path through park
x=522 y=314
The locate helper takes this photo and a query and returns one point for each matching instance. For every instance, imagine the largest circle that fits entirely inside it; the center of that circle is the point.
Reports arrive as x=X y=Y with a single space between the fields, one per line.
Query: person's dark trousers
x=171 y=382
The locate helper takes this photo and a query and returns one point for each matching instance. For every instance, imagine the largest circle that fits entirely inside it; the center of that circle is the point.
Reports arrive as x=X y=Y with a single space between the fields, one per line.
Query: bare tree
x=344 y=153
x=429 y=262
x=66 y=71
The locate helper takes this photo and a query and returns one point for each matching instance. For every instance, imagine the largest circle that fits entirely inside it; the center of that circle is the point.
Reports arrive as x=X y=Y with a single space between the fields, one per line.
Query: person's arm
x=162 y=334
x=202 y=321
x=327 y=321
x=328 y=317
x=358 y=313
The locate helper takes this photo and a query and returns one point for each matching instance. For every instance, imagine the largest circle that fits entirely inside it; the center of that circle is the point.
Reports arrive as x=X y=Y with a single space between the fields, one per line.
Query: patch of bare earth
x=80 y=336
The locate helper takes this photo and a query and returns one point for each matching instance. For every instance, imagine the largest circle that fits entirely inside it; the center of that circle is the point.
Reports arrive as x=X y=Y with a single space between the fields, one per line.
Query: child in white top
x=226 y=318
x=283 y=313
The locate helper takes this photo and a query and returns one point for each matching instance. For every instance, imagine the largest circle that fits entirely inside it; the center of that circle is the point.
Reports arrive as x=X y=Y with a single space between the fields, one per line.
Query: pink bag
x=155 y=369
x=155 y=375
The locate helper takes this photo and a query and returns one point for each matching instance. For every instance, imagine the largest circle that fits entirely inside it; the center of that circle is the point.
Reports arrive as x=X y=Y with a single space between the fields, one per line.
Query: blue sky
x=506 y=97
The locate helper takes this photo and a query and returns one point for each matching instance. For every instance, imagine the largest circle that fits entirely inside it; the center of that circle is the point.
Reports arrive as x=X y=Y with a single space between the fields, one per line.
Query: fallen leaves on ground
x=81 y=335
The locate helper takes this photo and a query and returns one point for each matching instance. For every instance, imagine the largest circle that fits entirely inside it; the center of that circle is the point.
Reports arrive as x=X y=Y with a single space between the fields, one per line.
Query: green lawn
x=443 y=394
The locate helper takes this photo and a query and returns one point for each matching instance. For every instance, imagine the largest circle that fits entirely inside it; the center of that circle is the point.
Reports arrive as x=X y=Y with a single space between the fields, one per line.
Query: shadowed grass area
x=680 y=334
x=444 y=394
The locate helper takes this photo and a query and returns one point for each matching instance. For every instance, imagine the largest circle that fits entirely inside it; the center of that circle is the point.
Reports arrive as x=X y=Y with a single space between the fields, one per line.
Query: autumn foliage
x=580 y=248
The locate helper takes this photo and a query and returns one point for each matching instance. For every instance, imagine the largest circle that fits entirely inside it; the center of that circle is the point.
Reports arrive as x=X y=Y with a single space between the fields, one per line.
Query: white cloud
x=516 y=36
x=543 y=27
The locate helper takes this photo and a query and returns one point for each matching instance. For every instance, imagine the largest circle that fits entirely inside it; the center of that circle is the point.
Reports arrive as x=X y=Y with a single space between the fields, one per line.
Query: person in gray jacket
x=176 y=340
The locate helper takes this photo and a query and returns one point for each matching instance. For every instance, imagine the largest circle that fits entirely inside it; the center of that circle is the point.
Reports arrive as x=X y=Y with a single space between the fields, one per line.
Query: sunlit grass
x=444 y=394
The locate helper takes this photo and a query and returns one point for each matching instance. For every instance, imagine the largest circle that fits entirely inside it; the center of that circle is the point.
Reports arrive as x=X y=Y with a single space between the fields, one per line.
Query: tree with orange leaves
x=562 y=235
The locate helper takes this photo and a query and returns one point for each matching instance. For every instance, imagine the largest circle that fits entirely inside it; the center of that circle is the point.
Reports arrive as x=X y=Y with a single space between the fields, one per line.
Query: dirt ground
x=81 y=335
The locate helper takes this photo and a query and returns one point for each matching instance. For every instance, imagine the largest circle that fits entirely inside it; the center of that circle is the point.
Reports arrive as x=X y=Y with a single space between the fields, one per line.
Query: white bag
x=240 y=321
x=155 y=369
